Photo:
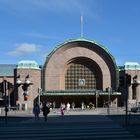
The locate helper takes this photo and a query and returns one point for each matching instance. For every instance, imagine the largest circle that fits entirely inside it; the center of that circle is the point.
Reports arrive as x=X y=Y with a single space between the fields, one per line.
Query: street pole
x=39 y=98
x=127 y=83
x=126 y=102
x=109 y=90
x=6 y=109
x=39 y=93
x=96 y=99
x=8 y=100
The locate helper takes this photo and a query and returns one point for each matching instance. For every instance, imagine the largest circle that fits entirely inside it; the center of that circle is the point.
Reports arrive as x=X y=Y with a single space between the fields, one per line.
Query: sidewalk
x=77 y=111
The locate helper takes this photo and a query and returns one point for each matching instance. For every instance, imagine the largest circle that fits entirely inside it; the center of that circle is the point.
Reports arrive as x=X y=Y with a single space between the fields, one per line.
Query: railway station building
x=78 y=70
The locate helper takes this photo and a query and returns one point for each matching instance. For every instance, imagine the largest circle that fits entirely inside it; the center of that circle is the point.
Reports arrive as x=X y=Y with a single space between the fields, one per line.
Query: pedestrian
x=82 y=105
x=36 y=111
x=53 y=104
x=46 y=111
x=62 y=109
x=18 y=106
x=68 y=107
x=73 y=105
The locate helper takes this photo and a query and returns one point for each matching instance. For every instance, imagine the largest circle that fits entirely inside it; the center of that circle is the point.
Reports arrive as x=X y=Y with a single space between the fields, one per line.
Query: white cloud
x=25 y=49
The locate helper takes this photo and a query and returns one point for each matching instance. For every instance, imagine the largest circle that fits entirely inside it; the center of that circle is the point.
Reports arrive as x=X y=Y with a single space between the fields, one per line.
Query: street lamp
x=27 y=81
x=97 y=95
x=25 y=85
x=18 y=82
x=5 y=94
x=39 y=93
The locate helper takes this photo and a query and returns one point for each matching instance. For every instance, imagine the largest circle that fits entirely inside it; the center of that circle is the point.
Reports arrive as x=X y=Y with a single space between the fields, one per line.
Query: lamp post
x=9 y=105
x=18 y=82
x=5 y=88
x=109 y=101
x=25 y=86
x=27 y=81
x=39 y=93
x=97 y=95
x=127 y=84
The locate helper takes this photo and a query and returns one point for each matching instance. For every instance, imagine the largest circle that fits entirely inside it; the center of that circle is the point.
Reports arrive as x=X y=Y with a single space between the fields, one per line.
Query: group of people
x=45 y=109
x=67 y=107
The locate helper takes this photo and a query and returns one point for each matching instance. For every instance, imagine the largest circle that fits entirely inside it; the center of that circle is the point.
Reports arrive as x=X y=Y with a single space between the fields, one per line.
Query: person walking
x=54 y=104
x=73 y=105
x=82 y=105
x=36 y=111
x=68 y=107
x=62 y=109
x=46 y=111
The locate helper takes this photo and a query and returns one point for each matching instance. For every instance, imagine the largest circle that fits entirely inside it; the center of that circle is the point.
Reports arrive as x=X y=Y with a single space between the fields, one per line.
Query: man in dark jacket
x=46 y=111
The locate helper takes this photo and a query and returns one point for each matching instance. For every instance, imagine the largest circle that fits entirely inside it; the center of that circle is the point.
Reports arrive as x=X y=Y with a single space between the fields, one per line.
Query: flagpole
x=81 y=25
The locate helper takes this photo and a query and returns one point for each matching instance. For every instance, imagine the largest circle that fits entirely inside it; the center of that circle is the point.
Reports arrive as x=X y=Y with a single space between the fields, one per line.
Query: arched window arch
x=81 y=73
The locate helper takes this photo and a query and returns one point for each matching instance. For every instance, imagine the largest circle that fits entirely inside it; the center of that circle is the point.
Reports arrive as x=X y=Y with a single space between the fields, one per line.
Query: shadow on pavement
x=133 y=124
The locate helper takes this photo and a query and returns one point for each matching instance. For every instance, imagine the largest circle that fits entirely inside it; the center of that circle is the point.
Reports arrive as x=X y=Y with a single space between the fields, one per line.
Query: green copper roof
x=7 y=69
x=76 y=40
x=80 y=39
x=27 y=64
x=131 y=66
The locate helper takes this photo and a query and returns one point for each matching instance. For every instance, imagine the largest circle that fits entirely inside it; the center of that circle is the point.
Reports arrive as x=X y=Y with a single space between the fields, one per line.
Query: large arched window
x=81 y=74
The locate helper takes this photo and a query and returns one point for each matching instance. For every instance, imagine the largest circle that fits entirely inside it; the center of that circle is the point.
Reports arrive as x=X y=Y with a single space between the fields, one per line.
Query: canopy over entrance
x=78 y=92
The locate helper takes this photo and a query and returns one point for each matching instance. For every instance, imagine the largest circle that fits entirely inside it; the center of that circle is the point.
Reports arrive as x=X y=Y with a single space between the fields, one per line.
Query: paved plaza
x=76 y=111
x=75 y=125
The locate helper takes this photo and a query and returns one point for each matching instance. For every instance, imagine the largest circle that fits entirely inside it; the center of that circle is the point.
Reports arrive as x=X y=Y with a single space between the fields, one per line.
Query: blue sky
x=31 y=29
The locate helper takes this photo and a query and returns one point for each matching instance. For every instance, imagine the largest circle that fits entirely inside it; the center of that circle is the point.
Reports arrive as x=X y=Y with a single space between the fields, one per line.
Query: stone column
x=130 y=93
x=138 y=92
x=20 y=97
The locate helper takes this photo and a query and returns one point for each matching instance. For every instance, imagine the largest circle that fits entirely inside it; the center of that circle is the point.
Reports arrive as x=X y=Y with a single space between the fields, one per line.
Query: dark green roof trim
x=80 y=39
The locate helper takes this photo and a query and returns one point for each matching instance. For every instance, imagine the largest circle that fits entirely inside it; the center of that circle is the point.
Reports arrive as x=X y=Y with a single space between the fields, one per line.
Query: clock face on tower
x=81 y=82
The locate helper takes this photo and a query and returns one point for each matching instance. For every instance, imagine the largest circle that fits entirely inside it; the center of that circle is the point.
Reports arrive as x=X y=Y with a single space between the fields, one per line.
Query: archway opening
x=83 y=73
